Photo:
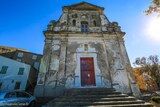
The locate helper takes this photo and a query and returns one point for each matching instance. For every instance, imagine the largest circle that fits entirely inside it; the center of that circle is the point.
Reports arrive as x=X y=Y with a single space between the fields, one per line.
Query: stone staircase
x=99 y=97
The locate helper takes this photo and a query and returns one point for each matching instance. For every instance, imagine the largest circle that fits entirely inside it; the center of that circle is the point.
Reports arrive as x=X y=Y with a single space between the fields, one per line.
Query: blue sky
x=22 y=23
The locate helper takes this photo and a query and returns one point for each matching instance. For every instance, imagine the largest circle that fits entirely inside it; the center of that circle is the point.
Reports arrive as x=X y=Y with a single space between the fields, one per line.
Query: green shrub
x=156 y=99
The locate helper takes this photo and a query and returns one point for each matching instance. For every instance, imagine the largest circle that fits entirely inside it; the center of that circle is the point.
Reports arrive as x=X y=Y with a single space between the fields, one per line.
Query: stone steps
x=99 y=97
x=93 y=93
x=82 y=103
x=69 y=99
x=95 y=96
x=90 y=89
x=126 y=105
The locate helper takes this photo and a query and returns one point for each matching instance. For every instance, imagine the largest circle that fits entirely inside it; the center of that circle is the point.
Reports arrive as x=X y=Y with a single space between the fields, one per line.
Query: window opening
x=74 y=22
x=3 y=69
x=84 y=26
x=94 y=23
x=21 y=71
x=17 y=85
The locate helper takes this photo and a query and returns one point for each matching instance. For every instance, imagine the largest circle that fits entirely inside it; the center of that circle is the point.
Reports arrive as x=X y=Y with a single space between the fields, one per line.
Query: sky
x=22 y=23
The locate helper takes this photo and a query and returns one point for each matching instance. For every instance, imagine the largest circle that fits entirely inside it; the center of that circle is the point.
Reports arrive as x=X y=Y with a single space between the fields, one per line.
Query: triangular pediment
x=83 y=6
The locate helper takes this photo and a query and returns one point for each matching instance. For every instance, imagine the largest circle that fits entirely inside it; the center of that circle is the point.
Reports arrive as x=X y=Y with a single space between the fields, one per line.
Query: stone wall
x=62 y=61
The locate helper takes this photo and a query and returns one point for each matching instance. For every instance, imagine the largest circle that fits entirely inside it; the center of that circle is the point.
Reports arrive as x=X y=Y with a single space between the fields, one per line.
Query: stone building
x=84 y=49
x=24 y=57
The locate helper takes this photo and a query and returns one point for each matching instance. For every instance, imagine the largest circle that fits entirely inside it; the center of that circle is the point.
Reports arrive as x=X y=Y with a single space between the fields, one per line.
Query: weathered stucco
x=66 y=43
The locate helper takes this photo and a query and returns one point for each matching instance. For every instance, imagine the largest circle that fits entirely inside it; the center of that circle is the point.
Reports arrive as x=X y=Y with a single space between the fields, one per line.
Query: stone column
x=62 y=64
x=39 y=90
x=60 y=74
x=134 y=88
x=109 y=59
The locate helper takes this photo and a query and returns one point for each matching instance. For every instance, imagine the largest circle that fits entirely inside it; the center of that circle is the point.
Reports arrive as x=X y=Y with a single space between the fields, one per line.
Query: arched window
x=94 y=23
x=74 y=22
x=84 y=26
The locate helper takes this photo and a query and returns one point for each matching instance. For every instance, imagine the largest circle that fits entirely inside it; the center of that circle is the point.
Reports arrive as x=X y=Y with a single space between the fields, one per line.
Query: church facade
x=83 y=49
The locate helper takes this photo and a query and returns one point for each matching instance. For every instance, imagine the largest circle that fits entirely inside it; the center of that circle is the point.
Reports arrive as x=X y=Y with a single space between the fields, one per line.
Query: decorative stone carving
x=56 y=47
x=74 y=15
x=55 y=42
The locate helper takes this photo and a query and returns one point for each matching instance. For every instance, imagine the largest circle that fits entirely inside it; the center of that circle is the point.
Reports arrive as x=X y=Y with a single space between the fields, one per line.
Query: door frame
x=92 y=71
x=98 y=80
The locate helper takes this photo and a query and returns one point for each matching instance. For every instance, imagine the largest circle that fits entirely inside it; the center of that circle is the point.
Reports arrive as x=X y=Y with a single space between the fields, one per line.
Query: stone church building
x=83 y=49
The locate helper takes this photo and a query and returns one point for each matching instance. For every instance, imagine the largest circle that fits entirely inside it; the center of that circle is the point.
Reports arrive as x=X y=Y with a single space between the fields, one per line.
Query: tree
x=150 y=65
x=154 y=7
x=139 y=77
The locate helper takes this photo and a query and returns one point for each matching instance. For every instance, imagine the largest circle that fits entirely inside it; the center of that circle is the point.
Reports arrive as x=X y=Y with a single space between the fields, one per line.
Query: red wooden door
x=87 y=72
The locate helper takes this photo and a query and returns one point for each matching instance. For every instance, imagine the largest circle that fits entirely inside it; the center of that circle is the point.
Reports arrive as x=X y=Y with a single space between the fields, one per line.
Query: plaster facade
x=23 y=56
x=11 y=76
x=83 y=31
